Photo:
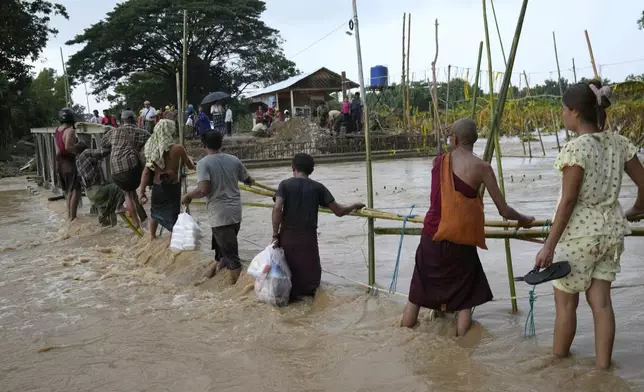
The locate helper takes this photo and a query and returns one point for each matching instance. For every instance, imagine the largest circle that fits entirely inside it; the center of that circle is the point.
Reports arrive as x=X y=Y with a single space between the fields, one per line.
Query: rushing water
x=90 y=309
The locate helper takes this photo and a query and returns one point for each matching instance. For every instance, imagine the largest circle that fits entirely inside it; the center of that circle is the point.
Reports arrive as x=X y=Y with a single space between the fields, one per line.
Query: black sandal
x=555 y=271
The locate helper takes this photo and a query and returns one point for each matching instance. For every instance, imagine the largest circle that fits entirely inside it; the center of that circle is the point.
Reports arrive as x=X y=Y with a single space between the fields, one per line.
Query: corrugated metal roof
x=321 y=79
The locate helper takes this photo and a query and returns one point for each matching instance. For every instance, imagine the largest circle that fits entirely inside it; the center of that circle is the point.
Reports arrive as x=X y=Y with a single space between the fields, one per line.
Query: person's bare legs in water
x=72 y=202
x=131 y=205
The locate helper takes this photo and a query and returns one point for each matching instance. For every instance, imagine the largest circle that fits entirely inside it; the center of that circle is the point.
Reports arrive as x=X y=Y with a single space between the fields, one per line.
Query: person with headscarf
x=164 y=156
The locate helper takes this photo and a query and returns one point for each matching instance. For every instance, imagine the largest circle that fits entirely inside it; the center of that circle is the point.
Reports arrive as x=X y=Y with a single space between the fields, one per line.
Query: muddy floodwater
x=90 y=309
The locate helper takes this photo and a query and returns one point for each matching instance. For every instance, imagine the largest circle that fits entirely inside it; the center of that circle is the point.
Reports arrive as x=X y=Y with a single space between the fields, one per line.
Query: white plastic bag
x=186 y=233
x=190 y=122
x=272 y=276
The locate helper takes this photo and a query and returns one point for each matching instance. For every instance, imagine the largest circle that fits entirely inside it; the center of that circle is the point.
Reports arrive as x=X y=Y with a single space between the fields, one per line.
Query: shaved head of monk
x=463 y=132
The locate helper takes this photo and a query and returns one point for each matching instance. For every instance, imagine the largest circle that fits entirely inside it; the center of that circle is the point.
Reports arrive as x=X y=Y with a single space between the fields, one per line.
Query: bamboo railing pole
x=476 y=81
x=561 y=91
x=437 y=119
x=490 y=75
x=493 y=234
x=503 y=93
x=403 y=79
x=367 y=138
x=184 y=84
x=555 y=125
x=408 y=107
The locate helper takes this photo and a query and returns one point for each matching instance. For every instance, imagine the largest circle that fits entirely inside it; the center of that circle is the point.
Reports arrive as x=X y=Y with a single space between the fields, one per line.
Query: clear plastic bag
x=272 y=276
x=186 y=233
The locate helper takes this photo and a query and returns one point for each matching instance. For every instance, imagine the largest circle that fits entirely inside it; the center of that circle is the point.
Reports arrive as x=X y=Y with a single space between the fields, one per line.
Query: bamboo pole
x=184 y=85
x=505 y=62
x=476 y=80
x=490 y=73
x=592 y=56
x=403 y=80
x=68 y=99
x=449 y=79
x=489 y=147
x=437 y=120
x=561 y=91
x=407 y=86
x=555 y=125
x=367 y=137
x=493 y=234
x=525 y=75
x=574 y=70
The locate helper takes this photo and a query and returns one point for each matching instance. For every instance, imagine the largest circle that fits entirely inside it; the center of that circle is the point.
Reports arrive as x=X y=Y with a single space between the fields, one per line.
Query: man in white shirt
x=149 y=117
x=96 y=119
x=229 y=121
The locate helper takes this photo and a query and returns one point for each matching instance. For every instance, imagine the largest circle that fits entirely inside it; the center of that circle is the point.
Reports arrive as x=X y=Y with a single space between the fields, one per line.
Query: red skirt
x=448 y=277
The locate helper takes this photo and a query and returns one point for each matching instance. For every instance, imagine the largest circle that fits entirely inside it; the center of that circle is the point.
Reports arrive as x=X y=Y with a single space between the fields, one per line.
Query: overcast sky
x=618 y=44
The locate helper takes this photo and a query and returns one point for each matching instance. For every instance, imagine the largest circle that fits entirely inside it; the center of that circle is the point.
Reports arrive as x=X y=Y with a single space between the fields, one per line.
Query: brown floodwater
x=89 y=309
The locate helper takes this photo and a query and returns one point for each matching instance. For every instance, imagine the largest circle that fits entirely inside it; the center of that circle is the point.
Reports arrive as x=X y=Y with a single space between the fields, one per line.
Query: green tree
x=641 y=21
x=635 y=78
x=140 y=43
x=25 y=29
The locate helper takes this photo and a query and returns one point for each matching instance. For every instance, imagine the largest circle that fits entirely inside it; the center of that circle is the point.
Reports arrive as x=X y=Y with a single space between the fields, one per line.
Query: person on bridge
x=448 y=275
x=66 y=150
x=295 y=223
x=218 y=178
x=163 y=155
x=125 y=144
x=589 y=226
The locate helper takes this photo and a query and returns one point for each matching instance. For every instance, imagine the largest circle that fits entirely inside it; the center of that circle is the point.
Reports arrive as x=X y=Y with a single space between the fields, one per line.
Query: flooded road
x=90 y=309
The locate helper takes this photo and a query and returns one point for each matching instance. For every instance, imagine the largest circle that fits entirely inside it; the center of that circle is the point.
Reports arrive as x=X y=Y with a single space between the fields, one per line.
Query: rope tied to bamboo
x=394 y=278
x=529 y=329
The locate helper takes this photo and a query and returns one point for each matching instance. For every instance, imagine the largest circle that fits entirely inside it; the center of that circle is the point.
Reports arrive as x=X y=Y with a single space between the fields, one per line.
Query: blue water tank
x=379 y=76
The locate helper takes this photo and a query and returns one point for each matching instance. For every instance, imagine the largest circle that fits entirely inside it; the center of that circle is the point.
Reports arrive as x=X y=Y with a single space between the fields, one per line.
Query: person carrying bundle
x=163 y=155
x=589 y=226
x=448 y=275
x=295 y=222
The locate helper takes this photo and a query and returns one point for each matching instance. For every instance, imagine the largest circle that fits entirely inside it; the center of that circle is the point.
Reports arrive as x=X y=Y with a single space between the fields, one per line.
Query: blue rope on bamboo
x=529 y=330
x=394 y=278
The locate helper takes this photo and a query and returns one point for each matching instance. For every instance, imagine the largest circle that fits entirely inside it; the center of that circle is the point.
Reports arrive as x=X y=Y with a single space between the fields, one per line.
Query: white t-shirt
x=96 y=120
x=150 y=114
x=229 y=115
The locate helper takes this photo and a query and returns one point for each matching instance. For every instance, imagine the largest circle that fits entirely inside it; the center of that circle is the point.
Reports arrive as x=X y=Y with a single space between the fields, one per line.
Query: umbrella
x=216 y=96
x=255 y=105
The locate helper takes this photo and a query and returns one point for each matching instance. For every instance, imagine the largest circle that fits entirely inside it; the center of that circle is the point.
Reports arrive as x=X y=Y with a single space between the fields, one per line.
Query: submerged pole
x=449 y=79
x=525 y=75
x=476 y=80
x=437 y=118
x=559 y=82
x=555 y=125
x=367 y=139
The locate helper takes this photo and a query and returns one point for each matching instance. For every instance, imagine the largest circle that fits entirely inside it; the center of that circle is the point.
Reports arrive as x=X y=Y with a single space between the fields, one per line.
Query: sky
x=617 y=42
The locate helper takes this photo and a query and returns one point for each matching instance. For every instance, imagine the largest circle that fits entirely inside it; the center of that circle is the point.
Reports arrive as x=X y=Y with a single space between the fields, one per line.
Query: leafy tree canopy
x=641 y=21
x=135 y=53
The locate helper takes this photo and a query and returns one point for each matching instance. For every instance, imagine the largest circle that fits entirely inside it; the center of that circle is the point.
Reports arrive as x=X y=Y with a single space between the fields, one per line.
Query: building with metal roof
x=302 y=92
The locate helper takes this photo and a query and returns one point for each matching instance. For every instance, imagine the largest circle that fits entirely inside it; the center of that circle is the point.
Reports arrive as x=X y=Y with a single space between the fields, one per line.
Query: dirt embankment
x=14 y=157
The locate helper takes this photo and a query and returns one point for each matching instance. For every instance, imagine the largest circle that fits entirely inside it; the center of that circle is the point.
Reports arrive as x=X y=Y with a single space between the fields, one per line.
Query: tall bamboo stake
x=184 y=85
x=561 y=92
x=407 y=85
x=449 y=79
x=437 y=119
x=555 y=125
x=68 y=99
x=367 y=138
x=592 y=56
x=525 y=75
x=403 y=80
x=489 y=70
x=476 y=80
x=505 y=62
x=489 y=147
x=574 y=70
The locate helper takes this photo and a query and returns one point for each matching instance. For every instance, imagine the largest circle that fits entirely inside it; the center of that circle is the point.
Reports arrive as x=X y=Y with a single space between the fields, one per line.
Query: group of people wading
x=588 y=230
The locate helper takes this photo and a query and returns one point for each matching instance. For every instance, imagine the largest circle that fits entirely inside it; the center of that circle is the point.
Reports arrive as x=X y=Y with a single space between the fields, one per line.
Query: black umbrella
x=216 y=96
x=256 y=105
